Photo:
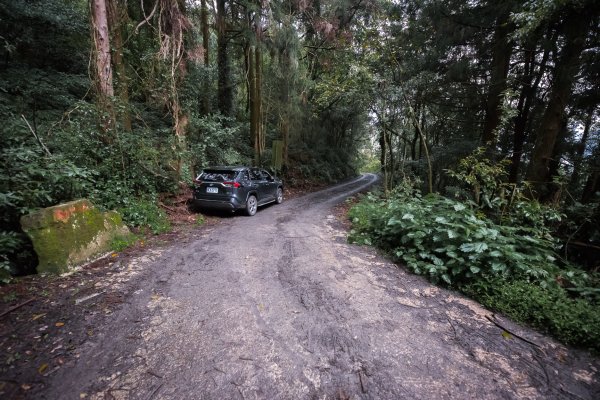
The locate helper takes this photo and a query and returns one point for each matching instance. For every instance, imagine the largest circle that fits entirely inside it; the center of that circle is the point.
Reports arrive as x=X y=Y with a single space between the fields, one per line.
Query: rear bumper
x=232 y=204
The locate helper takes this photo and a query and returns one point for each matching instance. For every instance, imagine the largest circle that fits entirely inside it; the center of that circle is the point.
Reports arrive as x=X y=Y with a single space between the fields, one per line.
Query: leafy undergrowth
x=510 y=268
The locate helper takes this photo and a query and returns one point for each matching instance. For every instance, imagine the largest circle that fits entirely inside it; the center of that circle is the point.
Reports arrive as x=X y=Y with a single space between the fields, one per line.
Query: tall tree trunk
x=580 y=149
x=173 y=25
x=252 y=95
x=592 y=184
x=116 y=17
x=103 y=71
x=555 y=189
x=254 y=75
x=286 y=112
x=259 y=100
x=575 y=27
x=225 y=91
x=384 y=158
x=205 y=103
x=526 y=98
x=502 y=50
x=285 y=136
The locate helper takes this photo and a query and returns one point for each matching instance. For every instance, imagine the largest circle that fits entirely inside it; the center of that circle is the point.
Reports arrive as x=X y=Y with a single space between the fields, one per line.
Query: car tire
x=279 y=196
x=251 y=205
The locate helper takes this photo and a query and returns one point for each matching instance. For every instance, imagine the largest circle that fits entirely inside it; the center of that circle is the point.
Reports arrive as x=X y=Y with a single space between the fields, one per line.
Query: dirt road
x=279 y=306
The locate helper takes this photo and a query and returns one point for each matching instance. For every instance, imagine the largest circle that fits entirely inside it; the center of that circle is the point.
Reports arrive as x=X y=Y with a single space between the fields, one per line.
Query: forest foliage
x=482 y=118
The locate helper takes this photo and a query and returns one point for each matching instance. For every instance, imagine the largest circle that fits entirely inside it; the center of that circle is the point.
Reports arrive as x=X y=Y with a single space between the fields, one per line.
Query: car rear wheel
x=251 y=205
x=279 y=198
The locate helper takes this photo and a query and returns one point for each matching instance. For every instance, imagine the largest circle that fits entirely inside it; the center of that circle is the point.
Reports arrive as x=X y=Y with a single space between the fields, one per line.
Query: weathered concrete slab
x=70 y=234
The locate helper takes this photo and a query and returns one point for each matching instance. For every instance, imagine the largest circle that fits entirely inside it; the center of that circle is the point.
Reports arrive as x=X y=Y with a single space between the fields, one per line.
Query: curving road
x=279 y=306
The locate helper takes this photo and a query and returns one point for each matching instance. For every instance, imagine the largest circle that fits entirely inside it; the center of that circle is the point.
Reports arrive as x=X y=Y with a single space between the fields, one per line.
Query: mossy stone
x=70 y=234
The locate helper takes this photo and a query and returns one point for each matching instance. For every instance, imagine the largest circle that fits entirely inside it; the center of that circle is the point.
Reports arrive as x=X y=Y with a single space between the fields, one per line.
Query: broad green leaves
x=449 y=241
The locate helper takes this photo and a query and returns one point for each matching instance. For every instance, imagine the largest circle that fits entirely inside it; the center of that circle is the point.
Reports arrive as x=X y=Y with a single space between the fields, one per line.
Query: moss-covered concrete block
x=70 y=234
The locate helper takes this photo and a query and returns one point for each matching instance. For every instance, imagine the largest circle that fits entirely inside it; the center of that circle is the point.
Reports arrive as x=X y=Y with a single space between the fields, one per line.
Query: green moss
x=70 y=234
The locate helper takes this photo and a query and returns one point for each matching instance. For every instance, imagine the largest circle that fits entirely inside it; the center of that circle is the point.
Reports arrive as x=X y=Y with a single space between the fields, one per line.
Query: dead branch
x=36 y=137
x=582 y=244
x=495 y=322
x=166 y=207
x=16 y=307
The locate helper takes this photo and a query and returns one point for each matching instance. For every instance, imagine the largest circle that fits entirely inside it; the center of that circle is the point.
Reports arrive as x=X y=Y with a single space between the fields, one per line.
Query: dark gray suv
x=236 y=188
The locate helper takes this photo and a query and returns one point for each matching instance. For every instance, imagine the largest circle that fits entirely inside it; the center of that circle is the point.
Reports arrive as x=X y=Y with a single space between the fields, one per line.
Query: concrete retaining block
x=70 y=234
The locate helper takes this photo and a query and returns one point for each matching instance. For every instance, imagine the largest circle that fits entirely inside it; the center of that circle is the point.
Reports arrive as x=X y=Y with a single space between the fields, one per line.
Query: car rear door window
x=218 y=176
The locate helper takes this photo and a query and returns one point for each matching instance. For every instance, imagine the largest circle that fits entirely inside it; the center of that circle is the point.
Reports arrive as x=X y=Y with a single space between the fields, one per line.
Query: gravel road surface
x=279 y=306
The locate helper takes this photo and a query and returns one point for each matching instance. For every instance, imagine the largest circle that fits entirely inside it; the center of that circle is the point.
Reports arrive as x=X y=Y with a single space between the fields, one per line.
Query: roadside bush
x=145 y=215
x=549 y=309
x=448 y=241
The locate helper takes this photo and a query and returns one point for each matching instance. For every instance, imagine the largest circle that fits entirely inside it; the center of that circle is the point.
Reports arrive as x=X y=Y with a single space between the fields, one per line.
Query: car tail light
x=232 y=184
x=197 y=182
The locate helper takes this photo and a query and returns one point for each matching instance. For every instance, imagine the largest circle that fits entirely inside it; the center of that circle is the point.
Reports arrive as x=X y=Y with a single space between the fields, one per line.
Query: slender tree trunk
x=253 y=94
x=423 y=144
x=580 y=149
x=116 y=12
x=254 y=76
x=413 y=147
x=502 y=50
x=259 y=103
x=575 y=28
x=383 y=143
x=205 y=101
x=225 y=92
x=286 y=109
x=592 y=184
x=103 y=71
x=526 y=99
x=390 y=146
x=285 y=135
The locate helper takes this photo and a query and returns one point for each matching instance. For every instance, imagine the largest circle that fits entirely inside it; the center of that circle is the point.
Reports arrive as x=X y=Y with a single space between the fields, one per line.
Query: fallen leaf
x=42 y=368
x=113 y=254
x=506 y=335
x=82 y=395
x=37 y=316
x=25 y=386
x=59 y=324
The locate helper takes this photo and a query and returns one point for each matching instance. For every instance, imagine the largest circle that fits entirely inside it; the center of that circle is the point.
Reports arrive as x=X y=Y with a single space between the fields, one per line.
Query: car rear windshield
x=217 y=176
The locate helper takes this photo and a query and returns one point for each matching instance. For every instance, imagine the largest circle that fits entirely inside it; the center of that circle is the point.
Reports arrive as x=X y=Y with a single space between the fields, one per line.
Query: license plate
x=212 y=190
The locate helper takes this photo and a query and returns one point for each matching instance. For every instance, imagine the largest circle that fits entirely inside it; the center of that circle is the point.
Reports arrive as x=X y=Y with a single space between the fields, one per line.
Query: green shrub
x=448 y=241
x=549 y=309
x=120 y=243
x=146 y=215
